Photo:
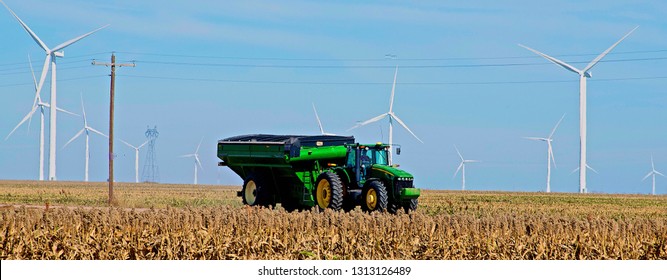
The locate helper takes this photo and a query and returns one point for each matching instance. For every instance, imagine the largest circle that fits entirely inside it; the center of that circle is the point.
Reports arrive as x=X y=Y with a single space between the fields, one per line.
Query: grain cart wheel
x=411 y=206
x=255 y=193
x=329 y=191
x=374 y=197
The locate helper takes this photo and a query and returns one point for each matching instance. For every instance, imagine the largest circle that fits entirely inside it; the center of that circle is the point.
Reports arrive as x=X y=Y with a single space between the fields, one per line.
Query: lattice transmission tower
x=151 y=172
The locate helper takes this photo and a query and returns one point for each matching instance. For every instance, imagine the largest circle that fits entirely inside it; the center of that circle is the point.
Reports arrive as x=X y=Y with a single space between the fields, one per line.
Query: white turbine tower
x=653 y=173
x=136 y=158
x=462 y=167
x=550 y=152
x=51 y=55
x=37 y=104
x=583 y=75
x=87 y=129
x=319 y=123
x=392 y=116
x=196 y=156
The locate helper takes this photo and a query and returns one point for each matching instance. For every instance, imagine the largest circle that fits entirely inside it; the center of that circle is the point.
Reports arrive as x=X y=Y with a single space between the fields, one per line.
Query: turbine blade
x=188 y=155
x=143 y=144
x=603 y=54
x=556 y=127
x=471 y=160
x=128 y=144
x=83 y=108
x=656 y=172
x=551 y=152
x=652 y=166
x=393 y=88
x=27 y=29
x=64 y=45
x=369 y=121
x=34 y=80
x=554 y=60
x=591 y=168
x=404 y=126
x=28 y=116
x=96 y=131
x=575 y=170
x=65 y=111
x=198 y=162
x=42 y=77
x=536 y=138
x=319 y=123
x=457 y=169
x=73 y=138
x=197 y=150
x=458 y=152
x=648 y=175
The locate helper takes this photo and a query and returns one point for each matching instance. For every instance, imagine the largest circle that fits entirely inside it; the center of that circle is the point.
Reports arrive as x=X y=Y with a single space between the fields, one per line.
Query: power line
x=63 y=58
x=231 y=65
x=59 y=80
x=28 y=67
x=342 y=59
x=382 y=83
x=376 y=59
x=228 y=65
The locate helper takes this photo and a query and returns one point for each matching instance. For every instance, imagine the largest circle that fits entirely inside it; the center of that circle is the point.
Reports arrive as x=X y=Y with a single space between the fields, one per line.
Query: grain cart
x=301 y=172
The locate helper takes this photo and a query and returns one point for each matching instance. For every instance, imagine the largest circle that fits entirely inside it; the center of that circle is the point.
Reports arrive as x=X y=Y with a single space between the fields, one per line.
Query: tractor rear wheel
x=255 y=193
x=374 y=197
x=329 y=191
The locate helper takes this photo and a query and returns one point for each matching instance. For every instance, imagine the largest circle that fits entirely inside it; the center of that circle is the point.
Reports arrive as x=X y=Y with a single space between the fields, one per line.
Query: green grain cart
x=301 y=172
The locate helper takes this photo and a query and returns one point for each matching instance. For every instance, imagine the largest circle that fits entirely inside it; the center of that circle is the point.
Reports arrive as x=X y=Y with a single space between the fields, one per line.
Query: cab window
x=380 y=157
x=351 y=157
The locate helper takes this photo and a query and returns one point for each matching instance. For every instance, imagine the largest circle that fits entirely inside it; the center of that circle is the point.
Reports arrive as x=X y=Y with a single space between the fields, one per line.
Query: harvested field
x=187 y=222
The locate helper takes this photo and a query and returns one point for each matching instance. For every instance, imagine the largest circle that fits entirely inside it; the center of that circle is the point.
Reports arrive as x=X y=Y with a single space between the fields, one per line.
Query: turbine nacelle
x=588 y=74
x=59 y=54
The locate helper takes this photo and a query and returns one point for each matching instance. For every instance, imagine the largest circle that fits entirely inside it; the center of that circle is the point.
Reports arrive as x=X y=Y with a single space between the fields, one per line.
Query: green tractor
x=301 y=172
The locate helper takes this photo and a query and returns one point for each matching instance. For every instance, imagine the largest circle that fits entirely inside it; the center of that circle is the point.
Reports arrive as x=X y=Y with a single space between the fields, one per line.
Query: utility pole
x=111 y=108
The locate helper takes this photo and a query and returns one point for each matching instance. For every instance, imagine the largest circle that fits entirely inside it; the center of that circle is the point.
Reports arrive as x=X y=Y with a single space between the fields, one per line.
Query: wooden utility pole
x=111 y=109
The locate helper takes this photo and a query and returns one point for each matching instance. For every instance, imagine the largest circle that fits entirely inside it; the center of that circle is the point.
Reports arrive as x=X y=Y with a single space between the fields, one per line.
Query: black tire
x=411 y=206
x=374 y=197
x=288 y=206
x=392 y=207
x=256 y=193
x=328 y=192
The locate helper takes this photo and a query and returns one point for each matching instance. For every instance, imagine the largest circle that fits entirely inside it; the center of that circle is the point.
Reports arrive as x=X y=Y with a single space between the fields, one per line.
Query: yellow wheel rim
x=323 y=194
x=371 y=199
x=250 y=192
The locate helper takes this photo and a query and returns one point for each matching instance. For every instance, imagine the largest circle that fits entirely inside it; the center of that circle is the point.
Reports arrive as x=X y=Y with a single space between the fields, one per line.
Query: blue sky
x=215 y=69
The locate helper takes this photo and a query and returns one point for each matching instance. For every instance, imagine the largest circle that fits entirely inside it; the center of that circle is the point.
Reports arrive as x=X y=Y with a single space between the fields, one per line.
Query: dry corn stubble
x=448 y=225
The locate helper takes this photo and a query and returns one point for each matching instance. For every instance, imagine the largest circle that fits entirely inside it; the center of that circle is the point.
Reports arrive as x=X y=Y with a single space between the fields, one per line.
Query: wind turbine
x=87 y=129
x=136 y=157
x=51 y=55
x=392 y=116
x=653 y=173
x=583 y=75
x=196 y=156
x=37 y=104
x=320 y=123
x=550 y=152
x=462 y=167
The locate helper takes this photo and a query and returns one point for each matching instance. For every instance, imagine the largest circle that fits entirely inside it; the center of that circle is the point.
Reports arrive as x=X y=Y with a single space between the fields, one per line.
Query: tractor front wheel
x=329 y=191
x=374 y=197
x=411 y=206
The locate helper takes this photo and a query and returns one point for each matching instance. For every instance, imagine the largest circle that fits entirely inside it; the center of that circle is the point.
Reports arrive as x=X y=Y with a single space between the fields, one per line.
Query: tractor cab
x=362 y=157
